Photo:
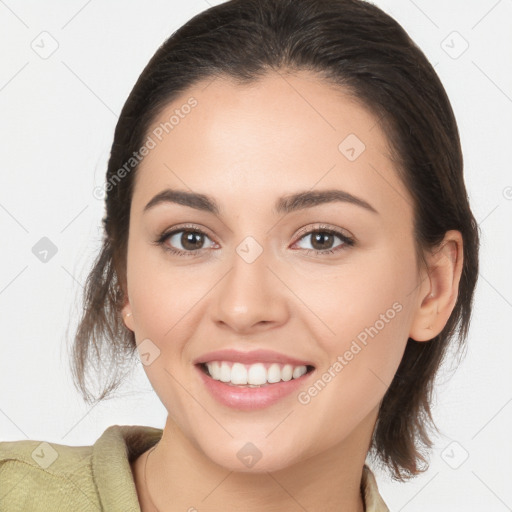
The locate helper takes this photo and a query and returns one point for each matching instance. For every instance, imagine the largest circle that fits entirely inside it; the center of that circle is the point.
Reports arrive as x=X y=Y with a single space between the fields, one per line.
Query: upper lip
x=254 y=356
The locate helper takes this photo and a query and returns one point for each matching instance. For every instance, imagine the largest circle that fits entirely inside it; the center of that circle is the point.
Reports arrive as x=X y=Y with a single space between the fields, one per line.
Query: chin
x=251 y=457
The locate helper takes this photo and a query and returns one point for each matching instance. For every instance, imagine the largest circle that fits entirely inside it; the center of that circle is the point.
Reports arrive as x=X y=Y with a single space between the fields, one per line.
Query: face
x=327 y=281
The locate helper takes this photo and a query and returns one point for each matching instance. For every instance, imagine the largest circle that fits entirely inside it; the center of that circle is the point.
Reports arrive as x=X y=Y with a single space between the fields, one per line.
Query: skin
x=247 y=145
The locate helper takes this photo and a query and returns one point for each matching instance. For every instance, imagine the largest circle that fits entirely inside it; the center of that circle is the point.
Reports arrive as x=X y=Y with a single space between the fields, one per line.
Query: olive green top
x=40 y=476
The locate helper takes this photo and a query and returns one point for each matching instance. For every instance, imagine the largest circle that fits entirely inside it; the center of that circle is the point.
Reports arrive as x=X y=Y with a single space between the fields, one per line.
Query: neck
x=180 y=477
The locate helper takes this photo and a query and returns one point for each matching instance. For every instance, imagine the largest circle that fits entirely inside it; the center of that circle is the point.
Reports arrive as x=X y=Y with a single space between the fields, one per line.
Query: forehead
x=253 y=142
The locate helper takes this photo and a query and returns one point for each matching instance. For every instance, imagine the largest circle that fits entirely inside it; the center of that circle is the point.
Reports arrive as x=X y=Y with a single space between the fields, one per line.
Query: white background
x=56 y=126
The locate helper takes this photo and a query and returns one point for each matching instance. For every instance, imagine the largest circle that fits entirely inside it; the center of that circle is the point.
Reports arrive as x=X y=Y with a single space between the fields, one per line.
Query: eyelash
x=347 y=241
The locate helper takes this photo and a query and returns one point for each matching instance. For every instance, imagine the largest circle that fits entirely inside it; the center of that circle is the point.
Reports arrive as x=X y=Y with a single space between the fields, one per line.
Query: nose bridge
x=250 y=294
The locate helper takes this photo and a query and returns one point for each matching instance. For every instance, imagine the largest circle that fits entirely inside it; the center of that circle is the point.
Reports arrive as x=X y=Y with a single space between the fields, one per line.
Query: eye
x=323 y=240
x=190 y=240
x=184 y=241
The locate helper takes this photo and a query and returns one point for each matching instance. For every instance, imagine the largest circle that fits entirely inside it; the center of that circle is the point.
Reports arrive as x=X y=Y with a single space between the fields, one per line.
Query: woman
x=289 y=247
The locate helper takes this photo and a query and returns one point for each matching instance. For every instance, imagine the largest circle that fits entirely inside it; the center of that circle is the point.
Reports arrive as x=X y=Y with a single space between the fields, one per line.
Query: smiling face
x=343 y=299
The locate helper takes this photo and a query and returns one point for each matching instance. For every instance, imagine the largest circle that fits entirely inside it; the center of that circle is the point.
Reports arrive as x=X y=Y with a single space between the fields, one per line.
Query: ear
x=126 y=312
x=439 y=288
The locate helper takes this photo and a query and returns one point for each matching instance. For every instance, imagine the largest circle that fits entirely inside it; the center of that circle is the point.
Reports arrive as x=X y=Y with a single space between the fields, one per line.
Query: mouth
x=257 y=375
x=227 y=383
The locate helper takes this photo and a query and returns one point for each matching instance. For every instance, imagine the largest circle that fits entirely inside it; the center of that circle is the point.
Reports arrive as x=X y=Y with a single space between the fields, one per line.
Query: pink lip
x=248 y=399
x=255 y=356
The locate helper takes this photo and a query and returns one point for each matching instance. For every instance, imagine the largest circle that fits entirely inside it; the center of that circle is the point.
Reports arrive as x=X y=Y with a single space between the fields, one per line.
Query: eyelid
x=188 y=227
x=320 y=226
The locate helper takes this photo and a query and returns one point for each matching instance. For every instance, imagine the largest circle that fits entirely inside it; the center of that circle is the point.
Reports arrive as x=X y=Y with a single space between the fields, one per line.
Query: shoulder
x=40 y=475
x=372 y=498
x=37 y=475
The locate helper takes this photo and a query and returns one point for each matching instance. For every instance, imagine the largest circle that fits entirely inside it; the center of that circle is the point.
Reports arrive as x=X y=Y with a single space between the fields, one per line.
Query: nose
x=250 y=298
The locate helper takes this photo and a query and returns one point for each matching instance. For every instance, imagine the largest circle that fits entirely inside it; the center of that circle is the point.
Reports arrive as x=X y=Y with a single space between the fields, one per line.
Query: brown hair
x=358 y=47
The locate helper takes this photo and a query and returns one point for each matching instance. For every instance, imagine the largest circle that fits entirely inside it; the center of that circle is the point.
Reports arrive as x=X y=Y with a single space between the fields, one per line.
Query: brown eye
x=184 y=241
x=191 y=240
x=323 y=241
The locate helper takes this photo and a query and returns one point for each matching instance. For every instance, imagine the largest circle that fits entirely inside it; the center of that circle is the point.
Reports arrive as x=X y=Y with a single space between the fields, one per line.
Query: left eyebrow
x=309 y=199
x=285 y=204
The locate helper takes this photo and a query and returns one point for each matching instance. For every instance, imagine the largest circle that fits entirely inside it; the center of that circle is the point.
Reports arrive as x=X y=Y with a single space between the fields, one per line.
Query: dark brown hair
x=356 y=46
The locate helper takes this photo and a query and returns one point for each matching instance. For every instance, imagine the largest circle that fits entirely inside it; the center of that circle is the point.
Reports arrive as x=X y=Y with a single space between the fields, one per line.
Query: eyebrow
x=285 y=204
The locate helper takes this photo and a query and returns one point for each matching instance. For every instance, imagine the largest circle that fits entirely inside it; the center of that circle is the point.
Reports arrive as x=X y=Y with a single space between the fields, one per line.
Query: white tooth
x=298 y=371
x=274 y=373
x=225 y=372
x=257 y=374
x=286 y=374
x=238 y=374
x=214 y=369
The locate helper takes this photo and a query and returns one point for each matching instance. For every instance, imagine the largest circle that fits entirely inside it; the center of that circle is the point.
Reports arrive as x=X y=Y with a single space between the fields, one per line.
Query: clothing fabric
x=42 y=477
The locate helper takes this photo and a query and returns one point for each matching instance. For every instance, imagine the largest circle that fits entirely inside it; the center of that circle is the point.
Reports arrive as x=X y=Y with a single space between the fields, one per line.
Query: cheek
x=363 y=316
x=161 y=293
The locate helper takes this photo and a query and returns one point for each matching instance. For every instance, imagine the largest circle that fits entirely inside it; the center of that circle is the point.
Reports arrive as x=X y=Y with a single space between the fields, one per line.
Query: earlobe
x=439 y=291
x=127 y=316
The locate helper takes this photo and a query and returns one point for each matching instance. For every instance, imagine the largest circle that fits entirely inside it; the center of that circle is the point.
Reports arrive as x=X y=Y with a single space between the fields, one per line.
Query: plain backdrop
x=67 y=69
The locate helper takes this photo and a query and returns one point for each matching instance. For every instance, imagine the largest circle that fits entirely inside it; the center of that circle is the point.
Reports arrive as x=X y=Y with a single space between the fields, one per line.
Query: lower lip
x=249 y=399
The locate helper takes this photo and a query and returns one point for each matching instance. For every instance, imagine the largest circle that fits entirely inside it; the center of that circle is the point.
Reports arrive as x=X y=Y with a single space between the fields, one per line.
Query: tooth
x=238 y=374
x=274 y=373
x=225 y=372
x=299 y=371
x=257 y=374
x=214 y=369
x=287 y=372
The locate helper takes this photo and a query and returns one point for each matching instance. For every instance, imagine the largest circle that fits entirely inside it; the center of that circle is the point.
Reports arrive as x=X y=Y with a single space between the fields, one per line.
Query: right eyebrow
x=191 y=199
